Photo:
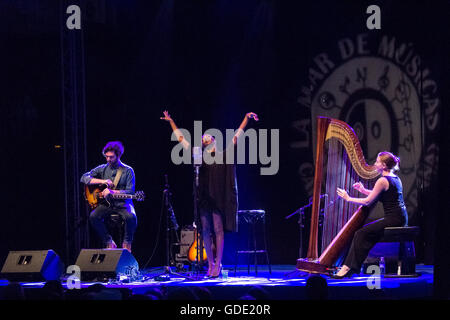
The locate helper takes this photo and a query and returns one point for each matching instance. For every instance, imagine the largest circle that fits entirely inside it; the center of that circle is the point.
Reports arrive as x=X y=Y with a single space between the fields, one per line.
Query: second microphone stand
x=301 y=222
x=170 y=217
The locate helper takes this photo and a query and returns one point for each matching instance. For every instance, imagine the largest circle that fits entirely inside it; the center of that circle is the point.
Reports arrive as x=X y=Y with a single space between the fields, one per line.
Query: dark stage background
x=209 y=60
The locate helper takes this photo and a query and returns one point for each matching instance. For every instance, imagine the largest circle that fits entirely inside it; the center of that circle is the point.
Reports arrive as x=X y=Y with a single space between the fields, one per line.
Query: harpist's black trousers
x=366 y=238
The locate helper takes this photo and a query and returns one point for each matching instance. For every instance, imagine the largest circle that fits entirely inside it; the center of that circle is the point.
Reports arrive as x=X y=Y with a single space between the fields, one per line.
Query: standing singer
x=218 y=197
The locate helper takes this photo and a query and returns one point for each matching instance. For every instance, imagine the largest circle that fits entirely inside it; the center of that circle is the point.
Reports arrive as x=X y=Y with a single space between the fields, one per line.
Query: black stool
x=252 y=217
x=115 y=225
x=405 y=236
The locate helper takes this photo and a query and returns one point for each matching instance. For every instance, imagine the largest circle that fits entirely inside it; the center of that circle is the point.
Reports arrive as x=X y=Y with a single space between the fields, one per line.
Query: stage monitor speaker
x=105 y=264
x=32 y=265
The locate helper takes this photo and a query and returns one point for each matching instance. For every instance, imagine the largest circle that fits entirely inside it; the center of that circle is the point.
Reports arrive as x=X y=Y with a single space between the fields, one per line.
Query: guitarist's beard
x=114 y=164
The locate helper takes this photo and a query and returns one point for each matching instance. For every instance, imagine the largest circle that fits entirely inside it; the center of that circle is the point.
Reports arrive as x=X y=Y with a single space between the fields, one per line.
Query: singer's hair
x=115 y=146
x=207 y=137
x=390 y=160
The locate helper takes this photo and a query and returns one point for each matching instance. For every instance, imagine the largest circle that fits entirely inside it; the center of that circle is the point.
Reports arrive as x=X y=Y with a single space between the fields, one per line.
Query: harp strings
x=339 y=174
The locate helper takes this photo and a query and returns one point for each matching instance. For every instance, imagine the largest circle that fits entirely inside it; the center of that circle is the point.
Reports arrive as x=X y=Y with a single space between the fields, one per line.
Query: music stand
x=170 y=216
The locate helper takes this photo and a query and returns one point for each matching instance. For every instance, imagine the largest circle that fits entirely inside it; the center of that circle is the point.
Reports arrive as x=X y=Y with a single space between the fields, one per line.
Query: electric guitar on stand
x=94 y=197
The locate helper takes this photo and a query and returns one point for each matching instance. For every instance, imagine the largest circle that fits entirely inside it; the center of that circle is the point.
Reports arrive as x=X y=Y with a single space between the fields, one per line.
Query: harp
x=339 y=162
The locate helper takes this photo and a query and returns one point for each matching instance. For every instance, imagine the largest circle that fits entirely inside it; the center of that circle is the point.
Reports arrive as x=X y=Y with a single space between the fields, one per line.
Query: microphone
x=197 y=155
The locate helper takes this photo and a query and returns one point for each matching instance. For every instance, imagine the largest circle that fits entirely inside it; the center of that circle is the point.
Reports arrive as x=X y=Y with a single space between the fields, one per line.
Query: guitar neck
x=122 y=196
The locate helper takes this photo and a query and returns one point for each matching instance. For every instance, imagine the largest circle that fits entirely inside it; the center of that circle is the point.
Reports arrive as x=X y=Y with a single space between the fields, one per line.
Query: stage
x=283 y=284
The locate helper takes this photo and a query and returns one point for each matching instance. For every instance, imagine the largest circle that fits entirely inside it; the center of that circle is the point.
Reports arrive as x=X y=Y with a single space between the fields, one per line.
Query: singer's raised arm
x=175 y=129
x=240 y=130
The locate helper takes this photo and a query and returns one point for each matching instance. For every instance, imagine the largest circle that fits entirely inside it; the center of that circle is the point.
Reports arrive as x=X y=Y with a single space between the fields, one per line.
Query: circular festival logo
x=383 y=93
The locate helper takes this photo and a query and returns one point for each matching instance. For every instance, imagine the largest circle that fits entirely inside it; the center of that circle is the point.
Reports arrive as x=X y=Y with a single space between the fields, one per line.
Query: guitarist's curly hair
x=115 y=146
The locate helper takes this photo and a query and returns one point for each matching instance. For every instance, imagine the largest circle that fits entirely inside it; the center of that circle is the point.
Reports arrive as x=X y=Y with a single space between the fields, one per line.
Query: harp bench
x=406 y=257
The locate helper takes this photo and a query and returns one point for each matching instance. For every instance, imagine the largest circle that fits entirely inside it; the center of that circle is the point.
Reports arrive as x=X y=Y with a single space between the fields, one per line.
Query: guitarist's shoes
x=126 y=245
x=111 y=245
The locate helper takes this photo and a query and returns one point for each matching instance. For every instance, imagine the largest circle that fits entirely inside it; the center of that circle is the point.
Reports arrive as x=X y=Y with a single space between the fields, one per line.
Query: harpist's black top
x=392 y=199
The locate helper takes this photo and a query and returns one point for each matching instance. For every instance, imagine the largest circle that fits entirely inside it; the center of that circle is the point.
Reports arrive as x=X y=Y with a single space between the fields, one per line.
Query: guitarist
x=118 y=178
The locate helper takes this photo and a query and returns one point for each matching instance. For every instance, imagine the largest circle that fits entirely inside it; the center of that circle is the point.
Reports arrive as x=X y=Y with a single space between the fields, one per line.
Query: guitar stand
x=197 y=264
x=170 y=216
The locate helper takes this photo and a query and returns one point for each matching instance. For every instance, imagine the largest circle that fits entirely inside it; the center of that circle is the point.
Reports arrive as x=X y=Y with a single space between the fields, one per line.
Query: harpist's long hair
x=115 y=146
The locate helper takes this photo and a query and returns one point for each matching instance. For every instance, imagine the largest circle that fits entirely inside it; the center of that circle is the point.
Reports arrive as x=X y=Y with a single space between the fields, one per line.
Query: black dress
x=395 y=215
x=218 y=191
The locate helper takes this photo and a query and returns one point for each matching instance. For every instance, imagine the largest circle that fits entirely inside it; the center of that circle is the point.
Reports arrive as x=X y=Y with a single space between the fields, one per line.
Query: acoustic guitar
x=94 y=197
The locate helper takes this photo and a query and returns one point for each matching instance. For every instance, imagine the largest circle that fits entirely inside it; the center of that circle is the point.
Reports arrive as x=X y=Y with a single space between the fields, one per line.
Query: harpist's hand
x=358 y=186
x=343 y=194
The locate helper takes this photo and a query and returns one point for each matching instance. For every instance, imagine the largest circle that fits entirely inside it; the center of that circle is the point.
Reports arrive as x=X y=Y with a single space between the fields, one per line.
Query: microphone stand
x=199 y=248
x=170 y=216
x=301 y=218
x=301 y=212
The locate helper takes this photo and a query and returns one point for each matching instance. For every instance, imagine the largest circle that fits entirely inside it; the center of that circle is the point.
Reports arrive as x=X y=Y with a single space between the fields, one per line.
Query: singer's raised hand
x=175 y=129
x=252 y=115
x=249 y=115
x=167 y=116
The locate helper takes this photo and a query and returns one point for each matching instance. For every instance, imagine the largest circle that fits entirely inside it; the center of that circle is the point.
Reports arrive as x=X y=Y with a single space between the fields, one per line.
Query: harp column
x=322 y=125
